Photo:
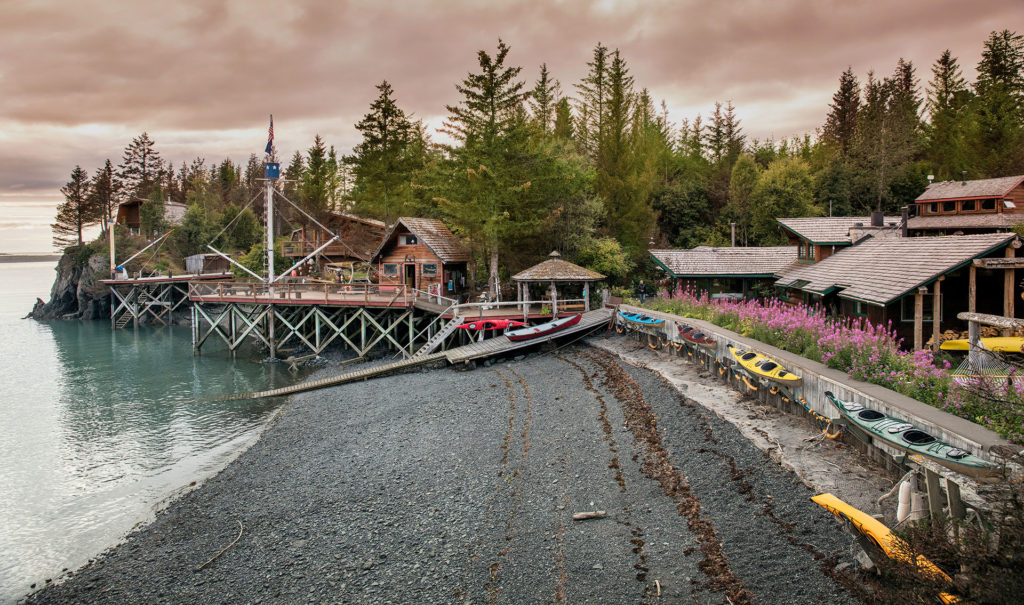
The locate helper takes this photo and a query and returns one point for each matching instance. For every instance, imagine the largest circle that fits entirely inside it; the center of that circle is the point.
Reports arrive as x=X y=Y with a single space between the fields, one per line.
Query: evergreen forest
x=594 y=169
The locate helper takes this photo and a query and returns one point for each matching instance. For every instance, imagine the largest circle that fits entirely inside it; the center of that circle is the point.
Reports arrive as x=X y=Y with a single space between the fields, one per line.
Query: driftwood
x=594 y=514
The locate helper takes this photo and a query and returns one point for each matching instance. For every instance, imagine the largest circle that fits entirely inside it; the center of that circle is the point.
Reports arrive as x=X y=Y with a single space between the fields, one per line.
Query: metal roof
x=961 y=190
x=830 y=229
x=707 y=261
x=882 y=270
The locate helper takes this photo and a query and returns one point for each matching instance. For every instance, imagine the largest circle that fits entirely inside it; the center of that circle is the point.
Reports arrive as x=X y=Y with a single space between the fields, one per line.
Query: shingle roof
x=708 y=261
x=879 y=271
x=830 y=229
x=960 y=190
x=556 y=269
x=966 y=221
x=434 y=235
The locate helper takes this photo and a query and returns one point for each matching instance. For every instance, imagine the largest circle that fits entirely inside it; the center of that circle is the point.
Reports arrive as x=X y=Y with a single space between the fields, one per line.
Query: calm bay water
x=99 y=427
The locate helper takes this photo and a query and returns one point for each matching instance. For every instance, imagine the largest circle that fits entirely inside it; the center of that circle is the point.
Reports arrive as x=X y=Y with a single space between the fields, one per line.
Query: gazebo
x=556 y=272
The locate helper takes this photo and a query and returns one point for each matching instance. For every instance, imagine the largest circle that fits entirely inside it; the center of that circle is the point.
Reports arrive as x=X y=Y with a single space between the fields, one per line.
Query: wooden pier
x=151 y=299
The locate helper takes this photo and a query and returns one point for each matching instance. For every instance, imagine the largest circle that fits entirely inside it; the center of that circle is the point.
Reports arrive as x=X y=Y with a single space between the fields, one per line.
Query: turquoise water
x=99 y=427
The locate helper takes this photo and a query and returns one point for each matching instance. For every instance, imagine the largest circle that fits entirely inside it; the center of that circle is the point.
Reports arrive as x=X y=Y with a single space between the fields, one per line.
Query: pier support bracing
x=137 y=303
x=282 y=328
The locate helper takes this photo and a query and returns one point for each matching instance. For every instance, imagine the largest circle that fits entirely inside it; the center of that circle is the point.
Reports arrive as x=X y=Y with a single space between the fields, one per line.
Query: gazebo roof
x=556 y=269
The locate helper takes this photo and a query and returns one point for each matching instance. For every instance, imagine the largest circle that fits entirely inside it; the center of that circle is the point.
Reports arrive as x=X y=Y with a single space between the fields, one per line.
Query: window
x=932 y=208
x=430 y=269
x=860 y=308
x=949 y=207
x=988 y=205
x=907 y=308
x=800 y=250
x=810 y=251
x=390 y=269
x=968 y=205
x=407 y=239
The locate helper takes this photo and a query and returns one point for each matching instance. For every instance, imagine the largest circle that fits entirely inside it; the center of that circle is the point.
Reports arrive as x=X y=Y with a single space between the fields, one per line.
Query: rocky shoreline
x=77 y=292
x=445 y=486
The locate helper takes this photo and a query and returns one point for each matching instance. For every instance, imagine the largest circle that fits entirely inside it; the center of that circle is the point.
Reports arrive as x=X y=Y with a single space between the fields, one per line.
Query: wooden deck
x=164 y=279
x=501 y=344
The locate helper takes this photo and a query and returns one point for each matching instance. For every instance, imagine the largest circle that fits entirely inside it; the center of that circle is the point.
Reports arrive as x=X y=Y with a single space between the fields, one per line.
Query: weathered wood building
x=910 y=281
x=129 y=214
x=725 y=272
x=358 y=238
x=817 y=238
x=965 y=207
x=423 y=254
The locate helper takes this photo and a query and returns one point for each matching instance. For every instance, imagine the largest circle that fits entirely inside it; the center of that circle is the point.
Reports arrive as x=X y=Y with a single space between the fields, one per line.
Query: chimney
x=905 y=215
x=877 y=219
x=963 y=177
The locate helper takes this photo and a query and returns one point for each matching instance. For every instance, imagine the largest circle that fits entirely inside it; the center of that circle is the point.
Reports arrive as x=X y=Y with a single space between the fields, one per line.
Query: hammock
x=983 y=364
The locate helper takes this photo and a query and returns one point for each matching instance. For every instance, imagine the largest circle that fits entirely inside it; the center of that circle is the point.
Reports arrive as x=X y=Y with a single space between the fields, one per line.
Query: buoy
x=903 y=506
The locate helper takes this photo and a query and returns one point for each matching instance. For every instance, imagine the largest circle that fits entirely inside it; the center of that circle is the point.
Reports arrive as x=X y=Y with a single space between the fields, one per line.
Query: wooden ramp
x=330 y=381
x=590 y=321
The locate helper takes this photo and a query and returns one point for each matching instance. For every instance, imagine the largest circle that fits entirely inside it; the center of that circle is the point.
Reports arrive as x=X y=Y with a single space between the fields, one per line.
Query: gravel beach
x=447 y=486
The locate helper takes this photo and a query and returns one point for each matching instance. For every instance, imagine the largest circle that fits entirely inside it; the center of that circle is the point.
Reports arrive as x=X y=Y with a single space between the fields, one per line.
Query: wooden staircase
x=439 y=337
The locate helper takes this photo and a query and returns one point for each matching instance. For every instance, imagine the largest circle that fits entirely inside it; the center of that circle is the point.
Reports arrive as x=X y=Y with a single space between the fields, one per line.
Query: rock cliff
x=77 y=292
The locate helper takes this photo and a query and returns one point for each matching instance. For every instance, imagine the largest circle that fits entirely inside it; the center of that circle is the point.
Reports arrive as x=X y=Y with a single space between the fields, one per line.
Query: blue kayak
x=638 y=318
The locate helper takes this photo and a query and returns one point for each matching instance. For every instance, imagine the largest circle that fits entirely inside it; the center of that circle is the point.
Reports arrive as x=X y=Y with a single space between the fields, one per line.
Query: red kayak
x=544 y=329
x=491 y=324
x=695 y=337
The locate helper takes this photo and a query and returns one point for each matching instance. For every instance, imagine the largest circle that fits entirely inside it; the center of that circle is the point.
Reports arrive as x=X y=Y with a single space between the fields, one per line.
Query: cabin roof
x=965 y=190
x=825 y=230
x=707 y=261
x=434 y=235
x=996 y=220
x=881 y=270
x=556 y=269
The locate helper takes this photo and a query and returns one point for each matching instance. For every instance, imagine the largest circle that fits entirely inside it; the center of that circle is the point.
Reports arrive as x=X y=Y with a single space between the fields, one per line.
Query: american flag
x=270 y=137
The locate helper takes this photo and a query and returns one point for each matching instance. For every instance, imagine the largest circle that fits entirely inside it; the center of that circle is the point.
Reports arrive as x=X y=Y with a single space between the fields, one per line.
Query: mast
x=272 y=173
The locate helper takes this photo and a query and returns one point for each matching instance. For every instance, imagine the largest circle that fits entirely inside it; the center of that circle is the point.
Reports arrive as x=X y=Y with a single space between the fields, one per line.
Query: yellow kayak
x=765 y=367
x=1000 y=344
x=882 y=537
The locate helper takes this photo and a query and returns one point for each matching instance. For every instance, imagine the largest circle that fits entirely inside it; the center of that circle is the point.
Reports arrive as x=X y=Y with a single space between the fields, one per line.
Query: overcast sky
x=80 y=78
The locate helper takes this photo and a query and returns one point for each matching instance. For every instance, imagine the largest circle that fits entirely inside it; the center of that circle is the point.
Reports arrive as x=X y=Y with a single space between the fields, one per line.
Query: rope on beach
x=214 y=558
x=749 y=386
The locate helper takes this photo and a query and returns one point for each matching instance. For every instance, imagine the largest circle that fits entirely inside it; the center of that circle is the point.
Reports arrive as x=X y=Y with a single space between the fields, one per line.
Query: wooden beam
x=1011 y=262
x=1008 y=277
x=919 y=319
x=991 y=320
x=936 y=313
x=972 y=291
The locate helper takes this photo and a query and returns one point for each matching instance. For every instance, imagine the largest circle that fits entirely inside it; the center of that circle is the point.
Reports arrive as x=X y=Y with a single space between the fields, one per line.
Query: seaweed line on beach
x=657 y=464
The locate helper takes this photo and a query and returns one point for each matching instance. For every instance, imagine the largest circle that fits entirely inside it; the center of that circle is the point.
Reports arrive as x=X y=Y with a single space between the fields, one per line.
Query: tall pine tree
x=841 y=123
x=75 y=213
x=141 y=167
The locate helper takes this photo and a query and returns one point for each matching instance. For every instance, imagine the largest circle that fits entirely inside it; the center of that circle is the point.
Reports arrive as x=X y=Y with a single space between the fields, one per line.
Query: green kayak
x=907 y=437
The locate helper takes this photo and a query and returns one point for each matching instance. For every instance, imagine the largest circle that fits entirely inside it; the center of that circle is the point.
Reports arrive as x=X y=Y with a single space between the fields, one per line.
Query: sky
x=81 y=78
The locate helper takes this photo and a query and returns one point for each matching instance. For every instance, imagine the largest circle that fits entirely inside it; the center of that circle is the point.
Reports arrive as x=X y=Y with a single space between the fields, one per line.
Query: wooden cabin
x=422 y=254
x=357 y=239
x=725 y=272
x=129 y=214
x=909 y=281
x=817 y=238
x=965 y=207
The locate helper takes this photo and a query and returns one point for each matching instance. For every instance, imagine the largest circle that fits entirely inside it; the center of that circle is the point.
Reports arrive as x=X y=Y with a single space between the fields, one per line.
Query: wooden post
x=972 y=291
x=919 y=319
x=1008 y=277
x=956 y=505
x=936 y=312
x=934 y=493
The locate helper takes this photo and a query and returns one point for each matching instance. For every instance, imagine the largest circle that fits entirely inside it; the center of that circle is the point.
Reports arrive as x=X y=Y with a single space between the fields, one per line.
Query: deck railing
x=313 y=292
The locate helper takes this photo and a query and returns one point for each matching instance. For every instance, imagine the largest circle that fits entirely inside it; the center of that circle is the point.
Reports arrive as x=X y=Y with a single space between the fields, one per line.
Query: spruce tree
x=948 y=107
x=998 y=136
x=314 y=186
x=382 y=163
x=141 y=167
x=563 y=120
x=593 y=92
x=841 y=123
x=104 y=191
x=543 y=99
x=75 y=212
